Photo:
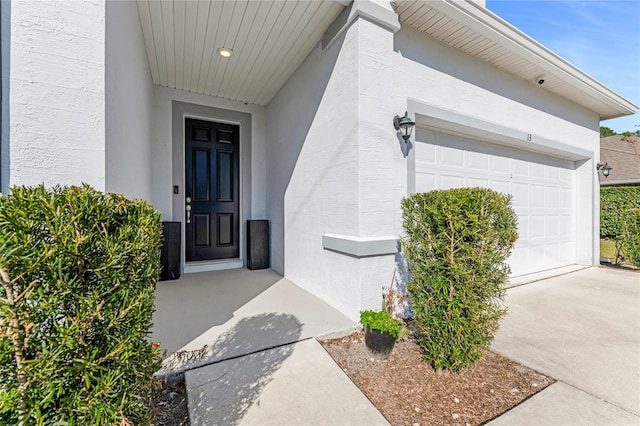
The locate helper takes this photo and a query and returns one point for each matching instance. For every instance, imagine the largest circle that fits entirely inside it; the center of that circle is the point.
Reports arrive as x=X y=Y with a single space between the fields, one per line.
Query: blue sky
x=601 y=37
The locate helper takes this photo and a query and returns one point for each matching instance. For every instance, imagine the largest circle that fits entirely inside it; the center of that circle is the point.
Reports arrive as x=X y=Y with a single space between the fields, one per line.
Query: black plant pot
x=379 y=342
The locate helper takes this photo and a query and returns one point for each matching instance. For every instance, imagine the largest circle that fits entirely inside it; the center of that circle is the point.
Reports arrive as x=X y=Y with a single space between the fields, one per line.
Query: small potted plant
x=380 y=332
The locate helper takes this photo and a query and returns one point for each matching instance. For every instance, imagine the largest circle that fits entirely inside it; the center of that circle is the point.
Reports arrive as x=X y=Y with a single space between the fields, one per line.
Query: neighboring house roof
x=622 y=153
x=475 y=30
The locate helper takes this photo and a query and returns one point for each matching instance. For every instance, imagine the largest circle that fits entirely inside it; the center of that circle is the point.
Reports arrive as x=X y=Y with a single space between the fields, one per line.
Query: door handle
x=188 y=209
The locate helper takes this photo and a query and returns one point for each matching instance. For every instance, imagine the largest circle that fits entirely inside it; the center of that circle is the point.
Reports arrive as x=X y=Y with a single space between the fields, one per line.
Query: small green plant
x=78 y=271
x=382 y=321
x=457 y=242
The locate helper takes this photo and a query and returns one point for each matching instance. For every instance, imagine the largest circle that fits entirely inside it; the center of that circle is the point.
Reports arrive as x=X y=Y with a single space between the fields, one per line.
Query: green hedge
x=457 y=242
x=631 y=237
x=78 y=276
x=615 y=201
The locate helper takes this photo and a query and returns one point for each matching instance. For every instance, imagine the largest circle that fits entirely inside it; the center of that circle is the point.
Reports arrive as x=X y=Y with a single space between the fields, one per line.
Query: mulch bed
x=169 y=405
x=407 y=391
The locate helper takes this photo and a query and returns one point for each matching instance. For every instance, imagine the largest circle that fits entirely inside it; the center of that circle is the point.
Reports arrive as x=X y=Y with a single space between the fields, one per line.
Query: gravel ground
x=407 y=391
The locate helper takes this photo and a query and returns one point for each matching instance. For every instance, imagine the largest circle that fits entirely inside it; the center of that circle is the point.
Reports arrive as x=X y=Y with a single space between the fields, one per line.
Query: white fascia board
x=360 y=246
x=490 y=25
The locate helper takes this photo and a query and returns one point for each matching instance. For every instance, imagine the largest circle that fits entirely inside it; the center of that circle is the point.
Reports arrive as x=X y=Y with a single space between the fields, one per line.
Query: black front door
x=211 y=190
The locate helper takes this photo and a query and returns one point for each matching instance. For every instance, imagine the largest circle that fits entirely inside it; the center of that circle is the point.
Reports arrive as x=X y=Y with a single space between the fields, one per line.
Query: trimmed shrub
x=457 y=242
x=79 y=270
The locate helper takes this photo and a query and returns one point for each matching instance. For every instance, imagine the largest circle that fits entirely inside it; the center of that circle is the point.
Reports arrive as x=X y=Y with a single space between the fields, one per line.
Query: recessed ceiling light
x=225 y=52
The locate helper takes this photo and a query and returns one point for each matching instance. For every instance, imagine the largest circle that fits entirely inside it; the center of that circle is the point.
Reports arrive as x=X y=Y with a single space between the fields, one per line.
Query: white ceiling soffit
x=473 y=29
x=269 y=39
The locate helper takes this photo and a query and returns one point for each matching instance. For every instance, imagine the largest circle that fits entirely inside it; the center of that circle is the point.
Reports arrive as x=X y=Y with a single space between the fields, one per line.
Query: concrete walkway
x=245 y=342
x=582 y=329
x=296 y=384
x=264 y=368
x=209 y=317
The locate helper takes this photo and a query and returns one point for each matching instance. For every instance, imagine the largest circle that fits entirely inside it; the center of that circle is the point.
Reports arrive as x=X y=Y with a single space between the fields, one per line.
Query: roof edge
x=490 y=25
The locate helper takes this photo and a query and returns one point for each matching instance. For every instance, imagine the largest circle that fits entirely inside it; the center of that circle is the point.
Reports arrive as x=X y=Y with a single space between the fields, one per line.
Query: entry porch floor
x=207 y=317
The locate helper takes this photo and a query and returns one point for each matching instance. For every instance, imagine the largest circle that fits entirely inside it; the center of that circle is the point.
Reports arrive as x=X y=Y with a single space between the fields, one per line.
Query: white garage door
x=542 y=189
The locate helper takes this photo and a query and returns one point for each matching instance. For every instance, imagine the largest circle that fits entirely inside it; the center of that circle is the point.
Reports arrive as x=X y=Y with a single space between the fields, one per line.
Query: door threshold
x=212 y=265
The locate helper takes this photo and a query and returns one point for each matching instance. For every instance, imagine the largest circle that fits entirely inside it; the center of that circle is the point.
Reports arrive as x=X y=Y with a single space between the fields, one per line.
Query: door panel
x=211 y=190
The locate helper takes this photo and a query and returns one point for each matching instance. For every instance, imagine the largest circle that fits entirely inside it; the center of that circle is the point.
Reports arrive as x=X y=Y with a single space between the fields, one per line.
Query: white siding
x=56 y=96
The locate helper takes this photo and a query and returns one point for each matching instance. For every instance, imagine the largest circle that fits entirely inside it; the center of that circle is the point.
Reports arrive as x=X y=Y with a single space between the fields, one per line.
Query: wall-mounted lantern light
x=606 y=169
x=404 y=125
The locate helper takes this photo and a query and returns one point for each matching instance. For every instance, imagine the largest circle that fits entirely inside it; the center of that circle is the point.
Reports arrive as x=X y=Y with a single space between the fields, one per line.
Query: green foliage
x=631 y=236
x=457 y=242
x=383 y=321
x=78 y=277
x=605 y=131
x=616 y=203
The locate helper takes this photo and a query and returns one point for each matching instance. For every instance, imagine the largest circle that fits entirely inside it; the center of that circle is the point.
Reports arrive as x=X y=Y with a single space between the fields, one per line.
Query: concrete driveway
x=582 y=329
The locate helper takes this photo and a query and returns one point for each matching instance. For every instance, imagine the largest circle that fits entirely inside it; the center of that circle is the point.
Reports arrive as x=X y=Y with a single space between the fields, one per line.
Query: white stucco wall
x=312 y=170
x=129 y=103
x=56 y=97
x=328 y=169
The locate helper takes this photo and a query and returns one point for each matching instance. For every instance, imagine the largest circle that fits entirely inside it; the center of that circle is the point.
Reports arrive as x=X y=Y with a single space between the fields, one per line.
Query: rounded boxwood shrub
x=457 y=242
x=78 y=269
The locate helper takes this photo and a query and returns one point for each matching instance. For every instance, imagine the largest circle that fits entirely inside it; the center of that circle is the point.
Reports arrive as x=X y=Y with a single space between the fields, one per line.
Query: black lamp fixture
x=404 y=125
x=606 y=169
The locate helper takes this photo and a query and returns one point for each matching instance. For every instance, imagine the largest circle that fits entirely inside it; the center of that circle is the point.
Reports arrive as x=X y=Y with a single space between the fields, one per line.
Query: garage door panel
x=426 y=182
x=519 y=167
x=451 y=156
x=448 y=182
x=500 y=186
x=520 y=192
x=536 y=170
x=542 y=190
x=500 y=164
x=552 y=226
x=523 y=227
x=474 y=182
x=553 y=198
x=478 y=160
x=566 y=198
x=536 y=229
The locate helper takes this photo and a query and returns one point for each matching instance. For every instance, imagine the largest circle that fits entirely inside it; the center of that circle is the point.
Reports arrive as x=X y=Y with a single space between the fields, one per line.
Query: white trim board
x=360 y=246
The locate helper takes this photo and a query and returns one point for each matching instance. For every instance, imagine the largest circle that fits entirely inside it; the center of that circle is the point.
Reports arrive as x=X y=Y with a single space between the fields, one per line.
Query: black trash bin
x=170 y=251
x=258 y=244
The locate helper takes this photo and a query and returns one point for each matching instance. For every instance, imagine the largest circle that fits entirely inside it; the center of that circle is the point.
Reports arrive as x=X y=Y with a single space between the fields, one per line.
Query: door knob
x=188 y=209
